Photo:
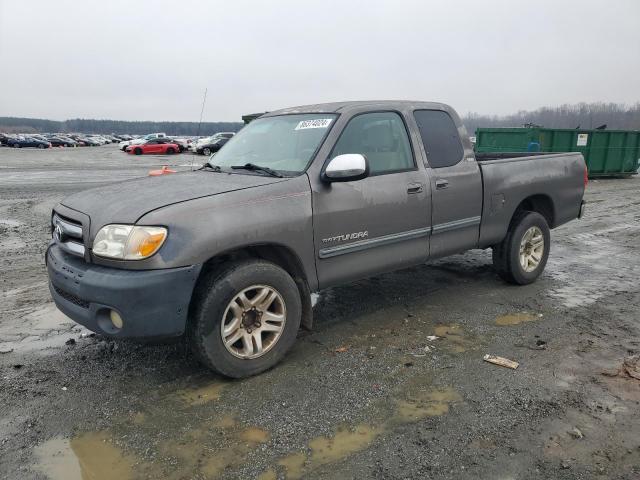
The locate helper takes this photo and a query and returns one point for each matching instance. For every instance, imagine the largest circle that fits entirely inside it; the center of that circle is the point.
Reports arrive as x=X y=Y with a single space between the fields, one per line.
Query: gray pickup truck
x=300 y=200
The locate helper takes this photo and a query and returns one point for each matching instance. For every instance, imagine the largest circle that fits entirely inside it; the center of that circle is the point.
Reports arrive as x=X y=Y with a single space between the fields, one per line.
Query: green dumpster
x=607 y=152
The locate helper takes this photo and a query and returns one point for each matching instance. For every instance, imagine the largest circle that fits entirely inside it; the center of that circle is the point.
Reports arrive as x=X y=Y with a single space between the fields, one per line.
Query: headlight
x=128 y=242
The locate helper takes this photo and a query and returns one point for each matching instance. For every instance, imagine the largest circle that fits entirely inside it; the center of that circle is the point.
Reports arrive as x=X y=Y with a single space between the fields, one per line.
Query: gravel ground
x=368 y=394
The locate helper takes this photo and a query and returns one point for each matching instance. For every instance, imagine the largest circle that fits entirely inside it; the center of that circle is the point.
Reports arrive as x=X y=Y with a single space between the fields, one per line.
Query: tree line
x=582 y=115
x=82 y=125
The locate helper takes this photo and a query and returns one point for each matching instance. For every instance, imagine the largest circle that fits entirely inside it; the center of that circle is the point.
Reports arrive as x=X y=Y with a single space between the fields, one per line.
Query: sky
x=153 y=59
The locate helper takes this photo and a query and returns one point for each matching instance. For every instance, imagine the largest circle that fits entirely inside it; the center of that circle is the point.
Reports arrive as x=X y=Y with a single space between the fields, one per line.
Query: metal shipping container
x=607 y=152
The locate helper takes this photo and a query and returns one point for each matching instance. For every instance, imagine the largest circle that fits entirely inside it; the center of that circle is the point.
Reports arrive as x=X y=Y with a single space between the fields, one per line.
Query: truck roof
x=335 y=107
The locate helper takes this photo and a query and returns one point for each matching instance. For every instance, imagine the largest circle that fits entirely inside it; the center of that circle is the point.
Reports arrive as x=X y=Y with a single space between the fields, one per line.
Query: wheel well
x=281 y=256
x=541 y=204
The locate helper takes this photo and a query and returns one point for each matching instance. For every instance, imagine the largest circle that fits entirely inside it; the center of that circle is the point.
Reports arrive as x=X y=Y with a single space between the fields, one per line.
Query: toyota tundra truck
x=300 y=200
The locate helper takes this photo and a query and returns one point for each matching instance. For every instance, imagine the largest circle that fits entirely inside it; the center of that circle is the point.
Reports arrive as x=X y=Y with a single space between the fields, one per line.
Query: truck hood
x=127 y=201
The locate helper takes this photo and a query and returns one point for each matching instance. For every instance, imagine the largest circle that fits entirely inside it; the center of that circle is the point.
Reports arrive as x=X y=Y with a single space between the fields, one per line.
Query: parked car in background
x=183 y=143
x=212 y=147
x=61 y=142
x=201 y=142
x=21 y=142
x=139 y=141
x=88 y=142
x=155 y=145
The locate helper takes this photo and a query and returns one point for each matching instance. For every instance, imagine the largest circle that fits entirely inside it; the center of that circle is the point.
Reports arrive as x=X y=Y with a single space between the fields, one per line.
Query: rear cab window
x=440 y=138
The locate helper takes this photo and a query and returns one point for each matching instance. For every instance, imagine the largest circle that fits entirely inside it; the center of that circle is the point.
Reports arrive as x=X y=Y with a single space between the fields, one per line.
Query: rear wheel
x=170 y=151
x=137 y=151
x=206 y=151
x=246 y=317
x=16 y=145
x=523 y=254
x=40 y=145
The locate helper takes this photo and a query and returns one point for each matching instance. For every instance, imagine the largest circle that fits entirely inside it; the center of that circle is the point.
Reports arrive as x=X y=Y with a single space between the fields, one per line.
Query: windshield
x=284 y=143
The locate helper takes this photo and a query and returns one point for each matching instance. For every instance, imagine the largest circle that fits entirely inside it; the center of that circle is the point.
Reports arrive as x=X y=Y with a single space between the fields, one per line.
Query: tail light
x=586 y=176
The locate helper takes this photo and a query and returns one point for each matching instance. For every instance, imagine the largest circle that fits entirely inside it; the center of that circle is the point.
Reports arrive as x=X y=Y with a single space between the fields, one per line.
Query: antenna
x=204 y=100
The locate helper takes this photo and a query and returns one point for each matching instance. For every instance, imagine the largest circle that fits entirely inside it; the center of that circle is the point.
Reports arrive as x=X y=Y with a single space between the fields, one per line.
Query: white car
x=139 y=141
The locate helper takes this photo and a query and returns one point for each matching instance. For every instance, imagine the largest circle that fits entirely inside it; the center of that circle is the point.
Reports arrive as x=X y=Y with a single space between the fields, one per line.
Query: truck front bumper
x=150 y=303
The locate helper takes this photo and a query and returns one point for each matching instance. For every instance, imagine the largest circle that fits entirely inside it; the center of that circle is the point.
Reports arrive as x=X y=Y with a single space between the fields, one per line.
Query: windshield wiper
x=253 y=166
x=214 y=168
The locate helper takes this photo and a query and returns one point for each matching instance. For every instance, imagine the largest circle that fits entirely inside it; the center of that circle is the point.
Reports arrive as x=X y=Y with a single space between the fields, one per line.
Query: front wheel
x=16 y=145
x=137 y=151
x=523 y=254
x=246 y=318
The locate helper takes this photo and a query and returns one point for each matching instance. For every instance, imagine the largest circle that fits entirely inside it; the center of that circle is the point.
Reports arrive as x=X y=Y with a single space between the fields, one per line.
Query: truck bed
x=554 y=180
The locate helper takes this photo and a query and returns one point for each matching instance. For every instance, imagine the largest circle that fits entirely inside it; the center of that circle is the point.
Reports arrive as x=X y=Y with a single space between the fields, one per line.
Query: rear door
x=456 y=183
x=378 y=223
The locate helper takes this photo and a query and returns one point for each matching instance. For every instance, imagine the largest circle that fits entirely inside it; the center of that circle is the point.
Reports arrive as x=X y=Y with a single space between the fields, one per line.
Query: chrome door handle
x=415 y=188
x=442 y=184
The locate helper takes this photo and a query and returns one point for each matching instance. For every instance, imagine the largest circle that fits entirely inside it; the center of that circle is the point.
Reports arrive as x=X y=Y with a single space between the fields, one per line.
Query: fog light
x=116 y=319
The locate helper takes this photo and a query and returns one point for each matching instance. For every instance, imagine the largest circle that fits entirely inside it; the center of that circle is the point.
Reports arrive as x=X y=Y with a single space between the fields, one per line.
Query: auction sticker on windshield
x=317 y=123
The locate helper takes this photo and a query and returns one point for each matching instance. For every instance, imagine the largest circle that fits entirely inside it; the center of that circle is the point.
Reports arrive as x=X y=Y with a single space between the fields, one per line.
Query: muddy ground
x=368 y=394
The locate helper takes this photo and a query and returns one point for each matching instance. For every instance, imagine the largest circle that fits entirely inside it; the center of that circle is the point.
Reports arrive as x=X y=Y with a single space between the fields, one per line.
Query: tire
x=17 y=145
x=524 y=231
x=137 y=151
x=170 y=151
x=40 y=146
x=212 y=308
x=206 y=151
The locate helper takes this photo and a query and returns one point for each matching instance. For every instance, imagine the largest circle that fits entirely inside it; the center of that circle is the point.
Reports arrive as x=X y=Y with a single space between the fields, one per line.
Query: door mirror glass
x=346 y=168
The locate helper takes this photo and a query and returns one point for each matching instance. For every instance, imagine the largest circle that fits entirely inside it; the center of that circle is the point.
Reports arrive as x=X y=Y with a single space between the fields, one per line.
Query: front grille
x=68 y=234
x=69 y=297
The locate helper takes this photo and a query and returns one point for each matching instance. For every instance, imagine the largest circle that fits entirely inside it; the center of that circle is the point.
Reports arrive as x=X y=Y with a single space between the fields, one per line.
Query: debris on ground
x=503 y=362
x=631 y=366
x=431 y=338
x=341 y=349
x=576 y=433
x=71 y=341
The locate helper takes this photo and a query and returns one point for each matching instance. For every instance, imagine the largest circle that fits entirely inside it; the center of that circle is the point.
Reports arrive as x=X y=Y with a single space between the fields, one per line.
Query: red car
x=156 y=145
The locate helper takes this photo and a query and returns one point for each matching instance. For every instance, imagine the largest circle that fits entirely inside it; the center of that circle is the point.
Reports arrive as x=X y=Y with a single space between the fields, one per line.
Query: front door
x=381 y=222
x=456 y=184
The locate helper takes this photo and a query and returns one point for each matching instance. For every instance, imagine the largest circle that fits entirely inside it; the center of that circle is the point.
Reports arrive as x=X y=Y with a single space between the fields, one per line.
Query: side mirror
x=346 y=168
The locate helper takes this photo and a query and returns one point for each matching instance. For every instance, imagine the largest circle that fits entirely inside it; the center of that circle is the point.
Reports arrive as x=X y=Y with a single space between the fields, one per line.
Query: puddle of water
x=455 y=337
x=210 y=449
x=268 y=475
x=234 y=455
x=294 y=465
x=202 y=395
x=90 y=456
x=344 y=443
x=516 y=318
x=228 y=421
x=10 y=222
x=138 y=418
x=430 y=403
x=325 y=450
x=254 y=435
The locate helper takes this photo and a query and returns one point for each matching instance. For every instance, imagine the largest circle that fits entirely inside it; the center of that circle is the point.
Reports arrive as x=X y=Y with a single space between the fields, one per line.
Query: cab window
x=440 y=138
x=382 y=138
